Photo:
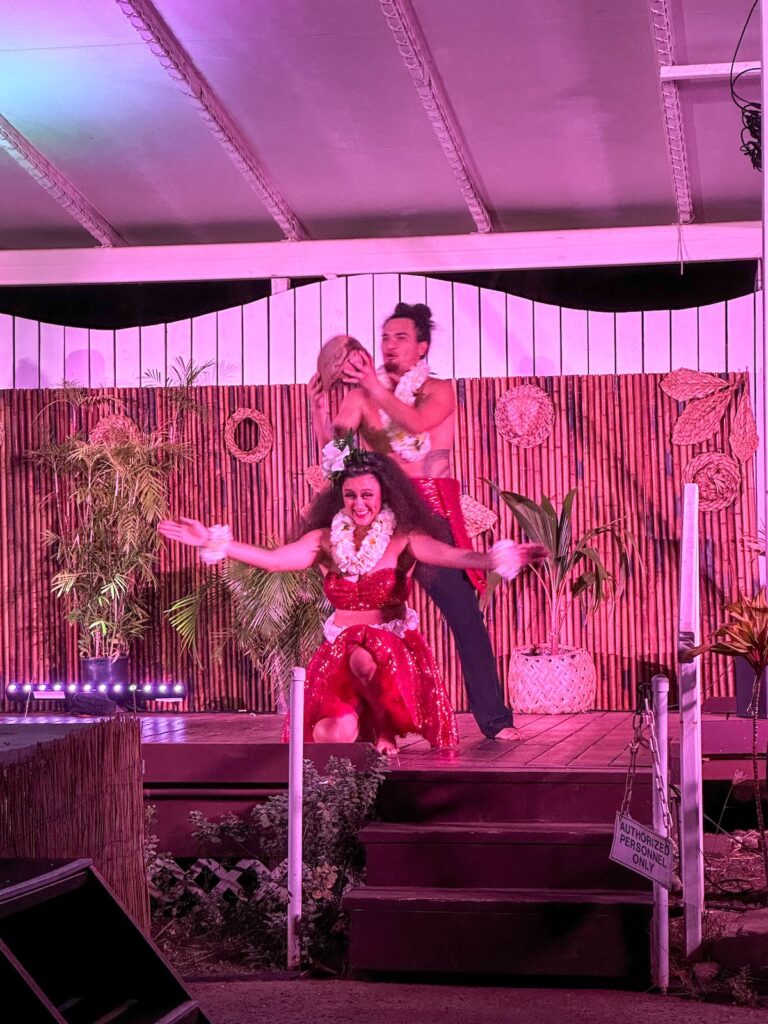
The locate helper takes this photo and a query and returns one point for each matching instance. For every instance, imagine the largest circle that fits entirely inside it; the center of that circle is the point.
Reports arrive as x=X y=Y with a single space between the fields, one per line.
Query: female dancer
x=374 y=677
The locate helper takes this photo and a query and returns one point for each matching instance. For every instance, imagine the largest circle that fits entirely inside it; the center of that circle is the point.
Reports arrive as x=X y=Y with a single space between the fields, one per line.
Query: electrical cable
x=751 y=111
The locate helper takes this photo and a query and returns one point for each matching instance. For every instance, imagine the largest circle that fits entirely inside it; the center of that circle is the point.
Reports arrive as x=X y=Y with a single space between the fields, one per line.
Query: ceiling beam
x=56 y=185
x=707 y=72
x=179 y=66
x=668 y=243
x=673 y=118
x=405 y=27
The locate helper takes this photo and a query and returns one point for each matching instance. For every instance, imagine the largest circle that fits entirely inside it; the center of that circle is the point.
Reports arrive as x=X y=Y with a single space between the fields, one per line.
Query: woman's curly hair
x=397 y=491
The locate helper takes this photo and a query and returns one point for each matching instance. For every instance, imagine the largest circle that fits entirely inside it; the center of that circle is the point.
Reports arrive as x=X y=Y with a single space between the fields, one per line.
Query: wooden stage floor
x=595 y=740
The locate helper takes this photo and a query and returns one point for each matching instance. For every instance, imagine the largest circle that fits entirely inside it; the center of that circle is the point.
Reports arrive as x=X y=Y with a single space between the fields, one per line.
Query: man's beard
x=390 y=367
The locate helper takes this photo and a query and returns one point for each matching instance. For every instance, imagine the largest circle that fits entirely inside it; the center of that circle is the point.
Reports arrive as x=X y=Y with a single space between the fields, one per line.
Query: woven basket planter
x=552 y=684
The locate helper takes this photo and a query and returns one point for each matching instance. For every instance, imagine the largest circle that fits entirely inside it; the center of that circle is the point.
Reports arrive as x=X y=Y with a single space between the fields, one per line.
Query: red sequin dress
x=410 y=695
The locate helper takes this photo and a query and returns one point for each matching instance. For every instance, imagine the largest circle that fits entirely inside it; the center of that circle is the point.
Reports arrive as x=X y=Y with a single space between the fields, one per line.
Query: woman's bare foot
x=509 y=733
x=387 y=747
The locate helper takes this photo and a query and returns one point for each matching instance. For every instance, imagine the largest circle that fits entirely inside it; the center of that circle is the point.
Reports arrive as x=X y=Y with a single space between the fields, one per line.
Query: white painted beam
x=59 y=187
x=661 y=30
x=707 y=72
x=417 y=57
x=179 y=66
x=689 y=685
x=600 y=247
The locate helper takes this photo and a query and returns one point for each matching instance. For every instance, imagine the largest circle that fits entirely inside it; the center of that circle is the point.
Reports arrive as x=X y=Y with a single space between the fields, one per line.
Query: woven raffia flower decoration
x=718 y=478
x=477 y=518
x=524 y=415
x=266 y=435
x=115 y=429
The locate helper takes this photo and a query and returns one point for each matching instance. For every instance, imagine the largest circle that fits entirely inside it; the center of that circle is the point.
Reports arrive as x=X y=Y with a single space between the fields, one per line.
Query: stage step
x=501 y=872
x=511 y=932
x=555 y=795
x=457 y=855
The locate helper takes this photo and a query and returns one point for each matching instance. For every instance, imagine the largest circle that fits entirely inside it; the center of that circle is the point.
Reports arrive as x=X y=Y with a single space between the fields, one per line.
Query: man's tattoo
x=437 y=463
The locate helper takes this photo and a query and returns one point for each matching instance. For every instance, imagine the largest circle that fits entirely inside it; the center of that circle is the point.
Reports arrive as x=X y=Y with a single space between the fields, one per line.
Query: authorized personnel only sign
x=641 y=849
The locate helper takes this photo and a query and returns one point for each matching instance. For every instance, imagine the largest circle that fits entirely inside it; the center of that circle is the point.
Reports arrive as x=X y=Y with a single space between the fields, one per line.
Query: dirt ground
x=345 y=1002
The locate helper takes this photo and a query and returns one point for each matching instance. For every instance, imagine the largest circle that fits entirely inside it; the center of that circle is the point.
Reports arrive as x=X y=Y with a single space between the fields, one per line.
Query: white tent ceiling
x=556 y=102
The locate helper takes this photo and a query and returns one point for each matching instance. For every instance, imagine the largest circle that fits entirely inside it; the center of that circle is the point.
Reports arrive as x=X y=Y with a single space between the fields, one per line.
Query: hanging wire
x=751 y=143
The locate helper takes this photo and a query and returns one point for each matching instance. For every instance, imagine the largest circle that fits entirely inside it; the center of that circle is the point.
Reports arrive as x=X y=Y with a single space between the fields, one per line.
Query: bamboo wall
x=611 y=440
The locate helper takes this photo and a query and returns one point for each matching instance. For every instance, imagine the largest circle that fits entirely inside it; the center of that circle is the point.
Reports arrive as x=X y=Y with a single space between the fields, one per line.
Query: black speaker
x=70 y=954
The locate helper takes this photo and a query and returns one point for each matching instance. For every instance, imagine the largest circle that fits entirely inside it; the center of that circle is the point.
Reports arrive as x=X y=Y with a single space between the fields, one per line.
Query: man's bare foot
x=387 y=747
x=509 y=733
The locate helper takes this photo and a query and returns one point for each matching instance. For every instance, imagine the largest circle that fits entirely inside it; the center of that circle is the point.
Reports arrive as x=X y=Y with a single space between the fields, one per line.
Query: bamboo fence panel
x=610 y=440
x=80 y=795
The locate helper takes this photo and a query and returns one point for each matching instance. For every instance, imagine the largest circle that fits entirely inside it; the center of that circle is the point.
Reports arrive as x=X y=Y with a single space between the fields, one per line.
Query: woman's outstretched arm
x=300 y=554
x=505 y=557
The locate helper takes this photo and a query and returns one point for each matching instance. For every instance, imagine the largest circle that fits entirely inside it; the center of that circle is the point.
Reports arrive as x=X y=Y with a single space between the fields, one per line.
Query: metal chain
x=637 y=742
x=644 y=721
x=653 y=743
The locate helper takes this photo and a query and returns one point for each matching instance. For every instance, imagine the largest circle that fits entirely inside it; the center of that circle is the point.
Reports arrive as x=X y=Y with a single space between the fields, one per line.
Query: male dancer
x=410 y=415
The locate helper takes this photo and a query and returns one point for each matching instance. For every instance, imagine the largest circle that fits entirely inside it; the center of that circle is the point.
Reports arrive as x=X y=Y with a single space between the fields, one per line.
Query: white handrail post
x=660 y=801
x=762 y=455
x=689 y=681
x=295 y=814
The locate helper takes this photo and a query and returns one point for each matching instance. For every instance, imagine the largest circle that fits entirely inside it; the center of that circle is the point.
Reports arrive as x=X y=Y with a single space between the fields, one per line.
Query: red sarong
x=411 y=697
x=443 y=496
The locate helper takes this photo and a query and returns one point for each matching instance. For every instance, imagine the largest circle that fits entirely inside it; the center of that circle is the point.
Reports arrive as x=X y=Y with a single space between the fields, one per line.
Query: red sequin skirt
x=407 y=693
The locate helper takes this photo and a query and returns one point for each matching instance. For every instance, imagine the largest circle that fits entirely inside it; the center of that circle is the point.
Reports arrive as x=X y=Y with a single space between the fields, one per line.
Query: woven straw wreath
x=524 y=415
x=718 y=477
x=266 y=435
x=115 y=429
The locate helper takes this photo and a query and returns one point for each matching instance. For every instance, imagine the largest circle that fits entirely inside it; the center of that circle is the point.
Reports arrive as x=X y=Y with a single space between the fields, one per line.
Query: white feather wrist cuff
x=505 y=559
x=214 y=549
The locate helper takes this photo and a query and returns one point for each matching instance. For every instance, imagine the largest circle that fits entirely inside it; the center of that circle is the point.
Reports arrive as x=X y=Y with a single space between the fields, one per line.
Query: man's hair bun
x=421 y=315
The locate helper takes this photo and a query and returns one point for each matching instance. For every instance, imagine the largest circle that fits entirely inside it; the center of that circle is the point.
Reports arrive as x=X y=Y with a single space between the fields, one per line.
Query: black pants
x=456 y=598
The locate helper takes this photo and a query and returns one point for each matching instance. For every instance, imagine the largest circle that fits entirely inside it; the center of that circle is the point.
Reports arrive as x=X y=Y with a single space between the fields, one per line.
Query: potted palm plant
x=108 y=490
x=549 y=677
x=274 y=618
x=745 y=639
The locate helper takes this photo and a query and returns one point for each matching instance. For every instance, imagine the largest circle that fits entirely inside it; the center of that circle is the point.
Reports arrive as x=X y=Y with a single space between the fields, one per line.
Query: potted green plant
x=745 y=637
x=108 y=490
x=549 y=677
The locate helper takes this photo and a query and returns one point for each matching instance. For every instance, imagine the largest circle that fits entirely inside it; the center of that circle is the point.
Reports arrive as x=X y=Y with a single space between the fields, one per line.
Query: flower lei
x=355 y=562
x=410 y=447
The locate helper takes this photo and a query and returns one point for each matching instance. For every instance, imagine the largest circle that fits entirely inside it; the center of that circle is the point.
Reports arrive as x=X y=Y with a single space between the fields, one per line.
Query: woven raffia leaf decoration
x=700 y=418
x=683 y=385
x=477 y=517
x=743 y=439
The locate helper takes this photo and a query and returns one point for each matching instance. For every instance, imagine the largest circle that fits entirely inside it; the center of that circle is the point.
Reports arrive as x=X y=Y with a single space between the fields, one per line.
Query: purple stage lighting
x=173 y=692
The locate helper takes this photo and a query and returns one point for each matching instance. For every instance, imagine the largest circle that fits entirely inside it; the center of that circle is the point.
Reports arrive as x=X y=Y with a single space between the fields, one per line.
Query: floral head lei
x=341 y=455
